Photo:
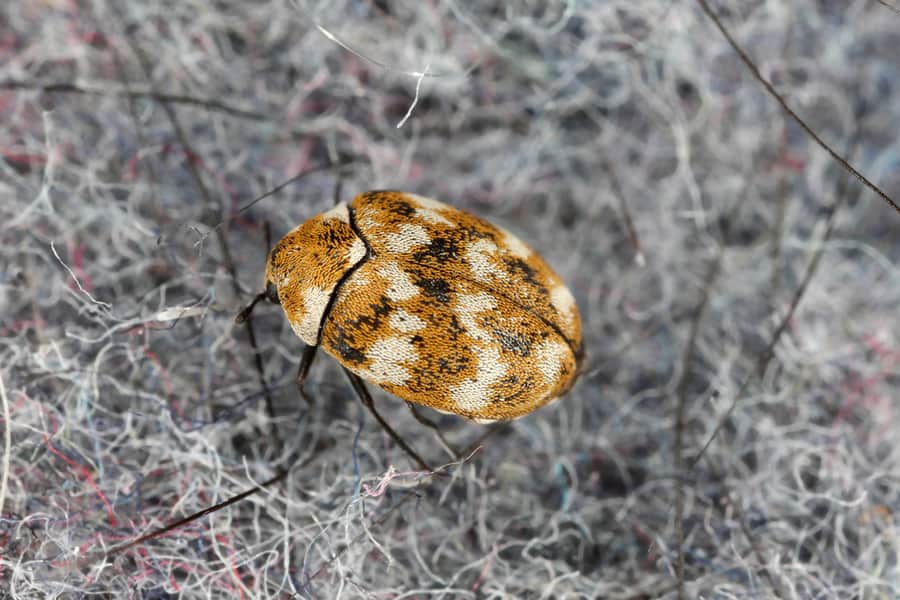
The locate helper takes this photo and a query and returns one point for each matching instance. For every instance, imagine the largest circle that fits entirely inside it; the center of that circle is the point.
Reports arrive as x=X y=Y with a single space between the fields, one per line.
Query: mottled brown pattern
x=525 y=281
x=310 y=261
x=447 y=311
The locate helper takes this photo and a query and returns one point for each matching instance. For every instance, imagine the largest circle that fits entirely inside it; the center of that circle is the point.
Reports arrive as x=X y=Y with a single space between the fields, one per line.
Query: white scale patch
x=480 y=257
x=354 y=284
x=386 y=356
x=314 y=302
x=550 y=357
x=404 y=322
x=424 y=202
x=468 y=306
x=514 y=245
x=407 y=238
x=474 y=394
x=356 y=252
x=368 y=224
x=434 y=217
x=339 y=212
x=562 y=300
x=401 y=286
x=430 y=210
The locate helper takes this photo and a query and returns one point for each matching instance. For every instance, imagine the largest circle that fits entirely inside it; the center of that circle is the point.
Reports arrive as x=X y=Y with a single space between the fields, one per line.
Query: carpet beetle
x=430 y=303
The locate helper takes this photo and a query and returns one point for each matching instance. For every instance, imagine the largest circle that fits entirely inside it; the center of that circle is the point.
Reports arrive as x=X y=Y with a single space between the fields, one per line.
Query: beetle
x=430 y=303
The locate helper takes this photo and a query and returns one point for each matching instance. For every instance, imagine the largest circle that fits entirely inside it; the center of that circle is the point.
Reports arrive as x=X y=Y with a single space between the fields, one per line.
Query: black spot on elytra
x=372 y=321
x=343 y=344
x=510 y=380
x=513 y=342
x=454 y=329
x=517 y=265
x=452 y=365
x=440 y=250
x=474 y=233
x=402 y=208
x=376 y=194
x=435 y=288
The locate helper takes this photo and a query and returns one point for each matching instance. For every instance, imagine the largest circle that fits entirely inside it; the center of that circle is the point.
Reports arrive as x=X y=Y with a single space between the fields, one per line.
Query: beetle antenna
x=190 y=518
x=245 y=313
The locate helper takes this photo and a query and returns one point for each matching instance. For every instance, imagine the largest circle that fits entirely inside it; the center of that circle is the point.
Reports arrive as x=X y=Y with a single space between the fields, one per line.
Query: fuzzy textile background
x=734 y=433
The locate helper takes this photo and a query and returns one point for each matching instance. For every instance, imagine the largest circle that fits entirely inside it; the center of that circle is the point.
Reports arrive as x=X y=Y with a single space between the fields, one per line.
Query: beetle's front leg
x=359 y=386
x=309 y=354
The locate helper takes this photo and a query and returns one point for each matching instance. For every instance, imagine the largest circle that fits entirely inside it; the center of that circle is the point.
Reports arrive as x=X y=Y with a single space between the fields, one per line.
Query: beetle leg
x=433 y=426
x=309 y=353
x=359 y=387
x=245 y=312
